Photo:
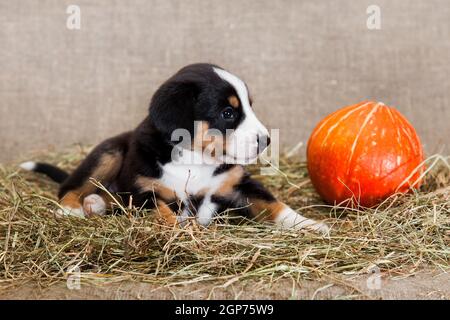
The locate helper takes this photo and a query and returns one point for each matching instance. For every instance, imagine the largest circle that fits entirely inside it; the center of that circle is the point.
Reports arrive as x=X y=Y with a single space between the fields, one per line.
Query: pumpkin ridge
x=395 y=169
x=407 y=124
x=348 y=114
x=363 y=126
x=328 y=118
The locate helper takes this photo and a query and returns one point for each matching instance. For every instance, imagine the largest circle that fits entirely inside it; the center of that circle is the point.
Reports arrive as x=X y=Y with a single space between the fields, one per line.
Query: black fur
x=223 y=168
x=246 y=191
x=251 y=188
x=53 y=172
x=194 y=93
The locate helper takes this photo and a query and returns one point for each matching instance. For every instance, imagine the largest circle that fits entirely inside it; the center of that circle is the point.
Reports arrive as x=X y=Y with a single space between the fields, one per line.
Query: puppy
x=183 y=179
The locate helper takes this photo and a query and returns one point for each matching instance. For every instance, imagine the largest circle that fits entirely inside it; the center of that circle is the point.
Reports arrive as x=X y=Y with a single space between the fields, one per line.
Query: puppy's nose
x=263 y=142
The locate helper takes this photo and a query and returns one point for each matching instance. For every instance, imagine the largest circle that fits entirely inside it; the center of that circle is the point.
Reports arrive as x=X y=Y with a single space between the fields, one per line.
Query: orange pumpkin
x=364 y=152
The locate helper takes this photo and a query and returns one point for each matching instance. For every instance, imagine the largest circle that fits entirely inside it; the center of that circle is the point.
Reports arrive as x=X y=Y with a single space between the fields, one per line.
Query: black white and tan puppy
x=148 y=164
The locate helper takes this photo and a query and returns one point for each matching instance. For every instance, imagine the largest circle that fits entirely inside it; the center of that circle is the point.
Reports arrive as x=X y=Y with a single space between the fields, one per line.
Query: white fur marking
x=67 y=211
x=184 y=217
x=288 y=218
x=29 y=165
x=242 y=143
x=250 y=121
x=94 y=204
x=188 y=179
x=206 y=211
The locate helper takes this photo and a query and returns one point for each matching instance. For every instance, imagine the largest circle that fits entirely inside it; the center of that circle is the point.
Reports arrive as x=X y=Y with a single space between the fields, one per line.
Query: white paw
x=183 y=218
x=319 y=227
x=67 y=211
x=288 y=218
x=206 y=212
x=94 y=204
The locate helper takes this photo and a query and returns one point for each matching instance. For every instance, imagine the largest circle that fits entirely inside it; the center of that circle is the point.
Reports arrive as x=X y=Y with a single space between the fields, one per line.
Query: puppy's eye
x=228 y=113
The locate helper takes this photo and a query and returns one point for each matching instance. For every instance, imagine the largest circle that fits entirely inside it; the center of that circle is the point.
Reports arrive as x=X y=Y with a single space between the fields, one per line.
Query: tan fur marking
x=234 y=101
x=263 y=210
x=108 y=167
x=234 y=176
x=211 y=145
x=166 y=213
x=202 y=192
x=72 y=199
x=153 y=185
x=201 y=140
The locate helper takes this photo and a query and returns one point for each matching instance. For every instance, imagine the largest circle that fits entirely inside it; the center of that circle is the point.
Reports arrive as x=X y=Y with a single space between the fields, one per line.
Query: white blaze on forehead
x=251 y=122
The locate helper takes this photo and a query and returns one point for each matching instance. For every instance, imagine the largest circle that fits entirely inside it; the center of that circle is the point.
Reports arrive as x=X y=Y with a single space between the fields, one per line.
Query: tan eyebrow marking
x=234 y=101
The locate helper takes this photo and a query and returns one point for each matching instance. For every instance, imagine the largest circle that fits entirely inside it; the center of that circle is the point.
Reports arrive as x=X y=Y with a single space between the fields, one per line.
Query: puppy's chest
x=191 y=180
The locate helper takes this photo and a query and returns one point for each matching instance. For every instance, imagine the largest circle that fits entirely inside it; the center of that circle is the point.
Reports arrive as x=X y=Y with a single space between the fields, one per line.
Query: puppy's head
x=214 y=106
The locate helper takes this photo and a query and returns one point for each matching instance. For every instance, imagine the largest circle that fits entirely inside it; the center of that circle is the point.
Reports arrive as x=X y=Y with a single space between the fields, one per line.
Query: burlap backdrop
x=301 y=60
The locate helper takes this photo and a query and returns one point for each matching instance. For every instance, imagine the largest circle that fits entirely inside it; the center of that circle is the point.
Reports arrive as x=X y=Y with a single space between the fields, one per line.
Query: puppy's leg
x=78 y=186
x=151 y=193
x=206 y=211
x=216 y=201
x=166 y=213
x=103 y=165
x=71 y=205
x=264 y=207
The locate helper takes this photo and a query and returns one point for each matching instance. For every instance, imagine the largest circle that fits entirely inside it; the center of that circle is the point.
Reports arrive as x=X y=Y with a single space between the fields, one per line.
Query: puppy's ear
x=172 y=106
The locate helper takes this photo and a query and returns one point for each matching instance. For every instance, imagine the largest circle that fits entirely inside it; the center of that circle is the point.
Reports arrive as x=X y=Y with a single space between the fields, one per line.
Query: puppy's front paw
x=94 y=204
x=288 y=218
x=319 y=227
x=184 y=217
x=68 y=211
x=206 y=212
